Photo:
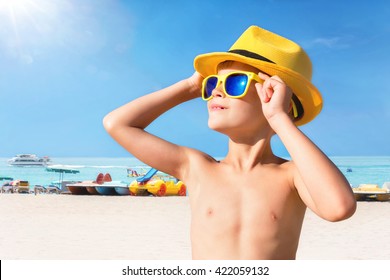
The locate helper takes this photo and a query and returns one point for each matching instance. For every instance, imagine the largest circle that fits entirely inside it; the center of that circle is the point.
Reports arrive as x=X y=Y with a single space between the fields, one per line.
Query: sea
x=358 y=170
x=87 y=167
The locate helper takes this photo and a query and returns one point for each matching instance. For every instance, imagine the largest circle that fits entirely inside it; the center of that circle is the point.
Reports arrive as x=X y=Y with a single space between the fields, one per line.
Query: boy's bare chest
x=240 y=213
x=235 y=199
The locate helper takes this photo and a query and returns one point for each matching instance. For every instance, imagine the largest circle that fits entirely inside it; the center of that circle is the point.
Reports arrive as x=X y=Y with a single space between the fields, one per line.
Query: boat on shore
x=367 y=192
x=28 y=160
x=103 y=185
x=93 y=188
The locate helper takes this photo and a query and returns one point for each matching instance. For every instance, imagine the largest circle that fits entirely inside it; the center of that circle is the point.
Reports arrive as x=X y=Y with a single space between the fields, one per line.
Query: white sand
x=364 y=236
x=123 y=228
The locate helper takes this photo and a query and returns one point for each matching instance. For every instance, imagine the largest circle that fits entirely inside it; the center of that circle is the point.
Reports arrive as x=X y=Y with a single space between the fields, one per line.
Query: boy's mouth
x=216 y=107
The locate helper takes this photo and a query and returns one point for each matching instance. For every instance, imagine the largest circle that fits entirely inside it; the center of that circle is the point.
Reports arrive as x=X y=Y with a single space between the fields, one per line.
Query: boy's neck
x=246 y=153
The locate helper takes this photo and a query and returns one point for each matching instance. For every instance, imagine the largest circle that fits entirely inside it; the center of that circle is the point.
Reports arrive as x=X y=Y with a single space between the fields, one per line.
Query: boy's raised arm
x=319 y=182
x=126 y=125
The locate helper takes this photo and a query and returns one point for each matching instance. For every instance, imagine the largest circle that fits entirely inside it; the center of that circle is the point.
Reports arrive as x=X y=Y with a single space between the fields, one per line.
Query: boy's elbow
x=108 y=123
x=343 y=211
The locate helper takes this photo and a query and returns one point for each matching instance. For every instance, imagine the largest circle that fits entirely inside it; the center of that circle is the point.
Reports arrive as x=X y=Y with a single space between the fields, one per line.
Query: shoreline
x=68 y=227
x=357 y=169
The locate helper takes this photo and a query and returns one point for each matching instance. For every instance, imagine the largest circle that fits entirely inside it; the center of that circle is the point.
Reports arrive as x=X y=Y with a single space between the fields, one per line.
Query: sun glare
x=17 y=11
x=13 y=5
x=33 y=29
x=22 y=23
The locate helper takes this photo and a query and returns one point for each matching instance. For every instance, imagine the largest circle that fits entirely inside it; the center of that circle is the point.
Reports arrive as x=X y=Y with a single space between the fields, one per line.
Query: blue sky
x=64 y=64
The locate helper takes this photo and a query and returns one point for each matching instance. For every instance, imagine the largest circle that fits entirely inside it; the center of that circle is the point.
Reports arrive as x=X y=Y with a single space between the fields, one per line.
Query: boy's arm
x=127 y=123
x=319 y=182
x=321 y=185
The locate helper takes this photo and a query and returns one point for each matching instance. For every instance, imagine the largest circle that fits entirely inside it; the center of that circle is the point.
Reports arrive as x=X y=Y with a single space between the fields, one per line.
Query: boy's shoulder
x=279 y=162
x=282 y=167
x=286 y=164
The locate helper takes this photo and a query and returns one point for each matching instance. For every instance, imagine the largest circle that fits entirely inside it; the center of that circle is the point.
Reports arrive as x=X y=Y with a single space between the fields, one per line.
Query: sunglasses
x=235 y=84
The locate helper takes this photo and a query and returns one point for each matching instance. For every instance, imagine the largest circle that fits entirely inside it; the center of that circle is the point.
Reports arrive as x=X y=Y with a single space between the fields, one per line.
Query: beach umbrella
x=62 y=170
x=6 y=178
x=15 y=183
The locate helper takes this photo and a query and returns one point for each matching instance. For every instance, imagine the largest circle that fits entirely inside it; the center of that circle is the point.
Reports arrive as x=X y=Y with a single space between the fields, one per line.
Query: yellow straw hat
x=273 y=55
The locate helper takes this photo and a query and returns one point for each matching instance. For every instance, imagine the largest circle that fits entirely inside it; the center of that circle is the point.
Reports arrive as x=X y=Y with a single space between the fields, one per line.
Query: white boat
x=28 y=160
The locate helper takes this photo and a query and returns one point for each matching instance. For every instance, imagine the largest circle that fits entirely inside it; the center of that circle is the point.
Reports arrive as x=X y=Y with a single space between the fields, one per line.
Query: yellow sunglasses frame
x=222 y=79
x=251 y=76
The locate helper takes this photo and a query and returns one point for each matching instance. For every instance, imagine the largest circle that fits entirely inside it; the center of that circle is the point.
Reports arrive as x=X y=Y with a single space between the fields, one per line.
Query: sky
x=65 y=64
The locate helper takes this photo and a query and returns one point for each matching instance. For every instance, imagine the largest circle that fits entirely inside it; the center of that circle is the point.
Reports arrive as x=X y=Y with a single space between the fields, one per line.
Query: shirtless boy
x=251 y=204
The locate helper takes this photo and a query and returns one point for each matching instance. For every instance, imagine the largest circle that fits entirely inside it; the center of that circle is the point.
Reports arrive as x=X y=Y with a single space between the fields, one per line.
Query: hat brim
x=307 y=93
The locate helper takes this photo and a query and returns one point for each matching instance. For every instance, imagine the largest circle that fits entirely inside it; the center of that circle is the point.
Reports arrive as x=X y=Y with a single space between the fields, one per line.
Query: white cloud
x=330 y=42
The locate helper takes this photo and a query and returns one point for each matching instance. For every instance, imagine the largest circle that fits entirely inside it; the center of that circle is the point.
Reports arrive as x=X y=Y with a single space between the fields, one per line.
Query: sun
x=22 y=24
x=33 y=29
x=13 y=6
x=16 y=11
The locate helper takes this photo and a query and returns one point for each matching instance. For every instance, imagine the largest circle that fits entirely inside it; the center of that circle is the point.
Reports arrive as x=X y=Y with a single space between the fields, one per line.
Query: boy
x=251 y=204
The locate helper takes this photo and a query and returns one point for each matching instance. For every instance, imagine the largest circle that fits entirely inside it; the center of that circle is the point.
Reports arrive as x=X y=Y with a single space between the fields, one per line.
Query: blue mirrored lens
x=211 y=83
x=236 y=84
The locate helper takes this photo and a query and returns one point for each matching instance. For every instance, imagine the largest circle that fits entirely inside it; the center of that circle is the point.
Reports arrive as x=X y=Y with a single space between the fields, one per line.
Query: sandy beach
x=69 y=227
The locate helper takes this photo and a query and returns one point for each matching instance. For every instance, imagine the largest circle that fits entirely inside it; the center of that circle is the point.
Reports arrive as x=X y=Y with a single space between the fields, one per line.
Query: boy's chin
x=220 y=127
x=217 y=127
x=233 y=128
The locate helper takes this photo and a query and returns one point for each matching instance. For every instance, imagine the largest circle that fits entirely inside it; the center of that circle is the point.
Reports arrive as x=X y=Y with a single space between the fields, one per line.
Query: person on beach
x=251 y=204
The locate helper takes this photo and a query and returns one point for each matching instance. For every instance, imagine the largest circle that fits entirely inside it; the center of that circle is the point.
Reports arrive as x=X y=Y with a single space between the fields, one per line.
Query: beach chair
x=38 y=189
x=53 y=189
x=7 y=188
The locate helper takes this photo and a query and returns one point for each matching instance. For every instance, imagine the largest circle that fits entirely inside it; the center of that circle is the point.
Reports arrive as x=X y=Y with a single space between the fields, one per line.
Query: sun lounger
x=38 y=189
x=53 y=189
x=7 y=188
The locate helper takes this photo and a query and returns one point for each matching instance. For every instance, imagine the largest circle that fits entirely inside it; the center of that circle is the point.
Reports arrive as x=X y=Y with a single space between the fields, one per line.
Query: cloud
x=330 y=42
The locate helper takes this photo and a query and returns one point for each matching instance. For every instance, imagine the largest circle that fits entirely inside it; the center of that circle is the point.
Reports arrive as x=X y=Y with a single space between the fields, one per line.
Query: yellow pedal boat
x=157 y=185
x=371 y=192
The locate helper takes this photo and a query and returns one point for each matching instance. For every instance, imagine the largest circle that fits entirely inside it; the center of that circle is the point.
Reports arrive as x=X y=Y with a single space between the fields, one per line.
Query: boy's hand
x=275 y=97
x=195 y=82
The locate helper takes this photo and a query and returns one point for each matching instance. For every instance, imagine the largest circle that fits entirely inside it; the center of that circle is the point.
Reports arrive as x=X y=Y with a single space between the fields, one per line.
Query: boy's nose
x=218 y=91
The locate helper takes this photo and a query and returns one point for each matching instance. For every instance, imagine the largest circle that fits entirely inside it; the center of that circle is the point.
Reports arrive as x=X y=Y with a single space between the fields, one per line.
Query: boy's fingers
x=267 y=95
x=261 y=92
x=270 y=92
x=277 y=78
x=259 y=88
x=263 y=76
x=268 y=88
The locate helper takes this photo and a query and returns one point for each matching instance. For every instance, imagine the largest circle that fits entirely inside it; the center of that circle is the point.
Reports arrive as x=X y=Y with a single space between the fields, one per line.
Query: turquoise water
x=365 y=170
x=89 y=168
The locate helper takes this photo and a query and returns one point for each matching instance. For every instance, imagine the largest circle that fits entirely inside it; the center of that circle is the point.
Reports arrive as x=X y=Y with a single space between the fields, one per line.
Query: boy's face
x=236 y=115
